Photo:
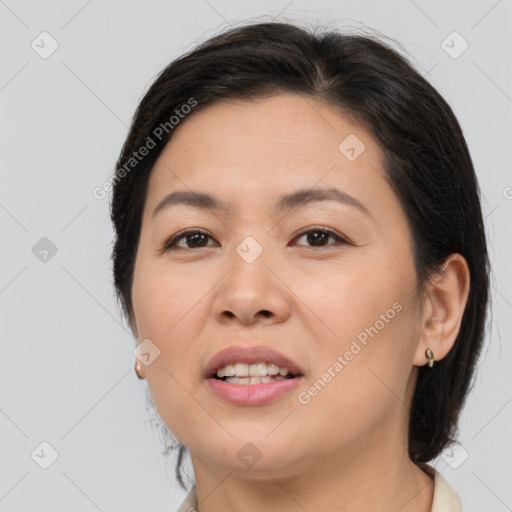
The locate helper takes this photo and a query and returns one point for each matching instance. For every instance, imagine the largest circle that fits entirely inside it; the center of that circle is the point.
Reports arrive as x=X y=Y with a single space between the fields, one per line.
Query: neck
x=371 y=476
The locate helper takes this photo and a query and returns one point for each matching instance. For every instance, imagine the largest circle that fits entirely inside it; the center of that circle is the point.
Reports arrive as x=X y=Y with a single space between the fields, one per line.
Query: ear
x=135 y=331
x=443 y=307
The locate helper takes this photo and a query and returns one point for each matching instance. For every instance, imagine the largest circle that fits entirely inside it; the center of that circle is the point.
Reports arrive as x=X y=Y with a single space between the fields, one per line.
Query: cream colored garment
x=445 y=498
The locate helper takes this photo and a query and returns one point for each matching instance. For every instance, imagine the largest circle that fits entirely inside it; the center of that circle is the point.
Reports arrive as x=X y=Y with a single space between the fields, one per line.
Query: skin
x=346 y=450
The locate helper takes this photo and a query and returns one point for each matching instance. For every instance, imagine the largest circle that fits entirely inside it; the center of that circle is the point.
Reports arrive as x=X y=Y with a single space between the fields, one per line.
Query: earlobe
x=446 y=298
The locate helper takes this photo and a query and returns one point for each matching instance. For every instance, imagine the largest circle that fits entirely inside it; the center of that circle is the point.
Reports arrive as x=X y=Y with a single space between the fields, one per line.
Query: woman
x=301 y=255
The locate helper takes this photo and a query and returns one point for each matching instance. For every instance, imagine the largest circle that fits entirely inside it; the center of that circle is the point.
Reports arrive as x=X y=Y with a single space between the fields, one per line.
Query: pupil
x=315 y=239
x=194 y=236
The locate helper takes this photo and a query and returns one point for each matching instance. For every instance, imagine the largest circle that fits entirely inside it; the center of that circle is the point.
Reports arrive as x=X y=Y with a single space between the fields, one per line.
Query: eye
x=318 y=235
x=194 y=238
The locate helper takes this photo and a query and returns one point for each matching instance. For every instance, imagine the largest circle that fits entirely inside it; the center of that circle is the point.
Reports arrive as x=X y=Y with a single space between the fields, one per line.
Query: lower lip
x=252 y=394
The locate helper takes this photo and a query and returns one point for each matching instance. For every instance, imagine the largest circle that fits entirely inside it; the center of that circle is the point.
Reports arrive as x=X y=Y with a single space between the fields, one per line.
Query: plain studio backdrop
x=71 y=75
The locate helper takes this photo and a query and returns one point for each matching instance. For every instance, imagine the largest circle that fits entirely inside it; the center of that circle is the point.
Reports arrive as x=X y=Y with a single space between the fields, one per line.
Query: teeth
x=272 y=369
x=252 y=380
x=228 y=371
x=239 y=370
x=258 y=370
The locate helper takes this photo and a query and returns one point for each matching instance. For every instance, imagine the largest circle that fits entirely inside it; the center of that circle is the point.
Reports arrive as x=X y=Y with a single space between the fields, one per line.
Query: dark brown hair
x=427 y=164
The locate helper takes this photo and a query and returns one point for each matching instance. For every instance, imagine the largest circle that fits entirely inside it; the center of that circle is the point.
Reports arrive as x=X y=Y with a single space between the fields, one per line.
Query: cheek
x=343 y=299
x=366 y=314
x=165 y=305
x=162 y=299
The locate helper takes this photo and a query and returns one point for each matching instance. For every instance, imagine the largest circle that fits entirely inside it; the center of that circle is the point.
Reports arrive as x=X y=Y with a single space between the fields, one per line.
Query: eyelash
x=170 y=244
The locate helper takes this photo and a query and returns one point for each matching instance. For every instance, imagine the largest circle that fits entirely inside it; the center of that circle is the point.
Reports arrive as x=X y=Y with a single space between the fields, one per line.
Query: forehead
x=264 y=147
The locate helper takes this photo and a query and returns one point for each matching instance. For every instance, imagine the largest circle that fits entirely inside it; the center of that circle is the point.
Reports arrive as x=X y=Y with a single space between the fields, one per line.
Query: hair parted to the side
x=427 y=164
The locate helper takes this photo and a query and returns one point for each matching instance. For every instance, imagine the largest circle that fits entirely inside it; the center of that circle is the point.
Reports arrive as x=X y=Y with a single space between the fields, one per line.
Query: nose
x=252 y=293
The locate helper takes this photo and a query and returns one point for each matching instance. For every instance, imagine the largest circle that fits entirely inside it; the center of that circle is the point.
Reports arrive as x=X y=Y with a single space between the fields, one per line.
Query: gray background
x=66 y=360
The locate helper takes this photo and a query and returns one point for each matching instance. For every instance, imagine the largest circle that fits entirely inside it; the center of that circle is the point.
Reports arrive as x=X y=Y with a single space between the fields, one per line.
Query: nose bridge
x=249 y=263
x=250 y=288
x=250 y=236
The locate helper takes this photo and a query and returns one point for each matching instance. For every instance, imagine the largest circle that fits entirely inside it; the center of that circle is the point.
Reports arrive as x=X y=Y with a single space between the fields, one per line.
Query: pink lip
x=252 y=394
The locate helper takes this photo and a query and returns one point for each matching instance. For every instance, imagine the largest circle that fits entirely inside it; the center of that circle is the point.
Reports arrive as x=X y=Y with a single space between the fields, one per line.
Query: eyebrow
x=204 y=201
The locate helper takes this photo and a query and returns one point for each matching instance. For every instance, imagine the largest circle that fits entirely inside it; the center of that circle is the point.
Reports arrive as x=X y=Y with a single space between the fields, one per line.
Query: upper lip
x=249 y=355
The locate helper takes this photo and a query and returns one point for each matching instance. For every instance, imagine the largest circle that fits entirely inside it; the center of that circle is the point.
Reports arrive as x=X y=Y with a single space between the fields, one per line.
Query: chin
x=254 y=455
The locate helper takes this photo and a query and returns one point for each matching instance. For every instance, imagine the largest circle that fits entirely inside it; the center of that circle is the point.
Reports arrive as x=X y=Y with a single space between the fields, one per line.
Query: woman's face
x=346 y=313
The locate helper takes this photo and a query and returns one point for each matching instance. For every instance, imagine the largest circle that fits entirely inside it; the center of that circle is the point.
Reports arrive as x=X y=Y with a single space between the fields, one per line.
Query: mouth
x=251 y=365
x=252 y=375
